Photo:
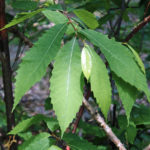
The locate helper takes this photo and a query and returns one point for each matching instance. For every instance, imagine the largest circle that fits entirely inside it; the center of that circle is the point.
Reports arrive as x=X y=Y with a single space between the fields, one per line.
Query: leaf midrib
x=46 y=52
x=69 y=70
x=105 y=49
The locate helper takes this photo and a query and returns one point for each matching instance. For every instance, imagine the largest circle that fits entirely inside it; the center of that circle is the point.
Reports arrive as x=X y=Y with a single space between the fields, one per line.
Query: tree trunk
x=6 y=70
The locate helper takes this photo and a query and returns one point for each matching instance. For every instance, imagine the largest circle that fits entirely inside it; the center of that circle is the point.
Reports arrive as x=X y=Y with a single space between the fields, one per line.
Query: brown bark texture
x=103 y=124
x=6 y=71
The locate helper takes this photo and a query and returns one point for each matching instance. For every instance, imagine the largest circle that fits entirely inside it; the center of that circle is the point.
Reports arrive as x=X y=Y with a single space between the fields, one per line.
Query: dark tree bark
x=6 y=70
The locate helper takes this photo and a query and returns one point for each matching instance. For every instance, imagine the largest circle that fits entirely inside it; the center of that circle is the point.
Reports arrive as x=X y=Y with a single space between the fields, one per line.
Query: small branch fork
x=70 y=22
x=105 y=127
x=10 y=142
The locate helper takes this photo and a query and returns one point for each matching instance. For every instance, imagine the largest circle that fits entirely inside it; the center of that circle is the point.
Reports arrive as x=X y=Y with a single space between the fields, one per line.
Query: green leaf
x=127 y=94
x=100 y=84
x=77 y=143
x=25 y=124
x=25 y=135
x=90 y=129
x=131 y=132
x=120 y=59
x=65 y=88
x=54 y=147
x=34 y=64
x=102 y=148
x=79 y=22
x=55 y=7
x=105 y=18
x=136 y=57
x=38 y=142
x=86 y=62
x=24 y=4
x=122 y=122
x=87 y=17
x=118 y=2
x=55 y=16
x=52 y=124
x=58 y=18
x=21 y=17
x=140 y=115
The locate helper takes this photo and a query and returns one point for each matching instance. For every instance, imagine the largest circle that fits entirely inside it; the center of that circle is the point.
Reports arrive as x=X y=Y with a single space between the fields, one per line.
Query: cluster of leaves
x=78 y=58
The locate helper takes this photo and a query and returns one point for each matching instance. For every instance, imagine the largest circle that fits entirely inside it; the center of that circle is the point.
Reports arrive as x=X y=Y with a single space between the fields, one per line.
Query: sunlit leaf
x=87 y=17
x=34 y=64
x=100 y=84
x=86 y=62
x=65 y=90
x=120 y=60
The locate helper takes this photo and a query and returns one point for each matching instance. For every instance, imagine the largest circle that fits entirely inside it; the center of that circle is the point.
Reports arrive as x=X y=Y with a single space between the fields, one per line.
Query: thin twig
x=87 y=95
x=103 y=124
x=18 y=53
x=70 y=22
x=137 y=28
x=78 y=119
x=147 y=8
x=19 y=34
x=119 y=21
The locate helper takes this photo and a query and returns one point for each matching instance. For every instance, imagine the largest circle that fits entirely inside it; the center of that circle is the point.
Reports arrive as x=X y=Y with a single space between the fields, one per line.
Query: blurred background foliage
x=116 y=18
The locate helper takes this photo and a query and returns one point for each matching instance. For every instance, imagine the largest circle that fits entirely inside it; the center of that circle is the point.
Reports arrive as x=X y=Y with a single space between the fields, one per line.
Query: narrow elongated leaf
x=136 y=57
x=87 y=17
x=86 y=62
x=58 y=18
x=131 y=133
x=89 y=129
x=52 y=124
x=105 y=18
x=77 y=143
x=24 y=5
x=25 y=124
x=26 y=135
x=127 y=94
x=21 y=17
x=65 y=88
x=34 y=64
x=120 y=59
x=55 y=16
x=38 y=142
x=100 y=84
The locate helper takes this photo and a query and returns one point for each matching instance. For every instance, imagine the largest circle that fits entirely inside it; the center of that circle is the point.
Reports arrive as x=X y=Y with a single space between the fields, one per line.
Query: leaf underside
x=127 y=94
x=21 y=17
x=65 y=88
x=100 y=83
x=137 y=58
x=86 y=62
x=87 y=17
x=34 y=64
